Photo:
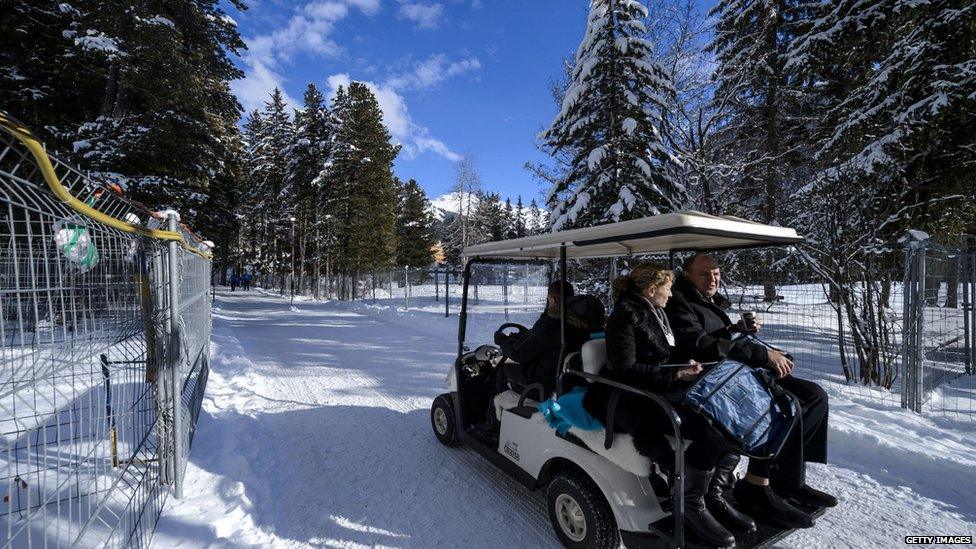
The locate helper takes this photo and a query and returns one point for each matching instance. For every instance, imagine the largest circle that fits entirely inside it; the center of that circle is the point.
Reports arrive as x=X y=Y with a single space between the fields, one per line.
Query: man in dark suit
x=705 y=332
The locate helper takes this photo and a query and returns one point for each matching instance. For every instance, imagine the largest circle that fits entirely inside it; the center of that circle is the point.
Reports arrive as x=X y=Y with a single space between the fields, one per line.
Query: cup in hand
x=749 y=320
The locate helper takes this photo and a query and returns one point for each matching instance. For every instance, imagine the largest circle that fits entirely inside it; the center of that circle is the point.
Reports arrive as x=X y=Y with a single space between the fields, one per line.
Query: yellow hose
x=25 y=136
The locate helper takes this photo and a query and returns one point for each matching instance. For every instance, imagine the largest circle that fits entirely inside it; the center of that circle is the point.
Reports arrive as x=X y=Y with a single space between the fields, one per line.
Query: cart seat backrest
x=594 y=355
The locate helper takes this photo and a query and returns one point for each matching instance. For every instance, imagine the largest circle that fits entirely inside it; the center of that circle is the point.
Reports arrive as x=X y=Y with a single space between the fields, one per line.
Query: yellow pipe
x=51 y=177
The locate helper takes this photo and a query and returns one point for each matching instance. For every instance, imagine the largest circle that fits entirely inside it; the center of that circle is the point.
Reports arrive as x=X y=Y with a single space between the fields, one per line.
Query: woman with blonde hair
x=640 y=344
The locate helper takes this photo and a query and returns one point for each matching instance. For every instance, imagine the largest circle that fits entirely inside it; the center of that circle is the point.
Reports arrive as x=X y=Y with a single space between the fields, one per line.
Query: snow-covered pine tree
x=415 y=227
x=307 y=157
x=249 y=213
x=518 y=223
x=535 y=223
x=271 y=192
x=763 y=137
x=904 y=121
x=610 y=117
x=335 y=188
x=509 y=219
x=489 y=218
x=363 y=167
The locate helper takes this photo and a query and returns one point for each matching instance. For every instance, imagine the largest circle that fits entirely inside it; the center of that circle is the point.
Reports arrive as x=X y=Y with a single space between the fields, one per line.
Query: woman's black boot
x=697 y=517
x=721 y=508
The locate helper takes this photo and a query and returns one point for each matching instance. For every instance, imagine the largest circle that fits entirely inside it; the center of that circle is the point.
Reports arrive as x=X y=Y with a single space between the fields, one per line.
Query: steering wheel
x=487 y=353
x=518 y=328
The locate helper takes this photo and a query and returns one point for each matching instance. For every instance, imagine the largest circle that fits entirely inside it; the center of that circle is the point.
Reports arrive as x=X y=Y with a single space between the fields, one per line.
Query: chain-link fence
x=841 y=317
x=105 y=316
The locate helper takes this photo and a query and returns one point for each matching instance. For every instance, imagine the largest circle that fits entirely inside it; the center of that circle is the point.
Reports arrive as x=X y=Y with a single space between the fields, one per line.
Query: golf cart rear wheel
x=442 y=420
x=580 y=514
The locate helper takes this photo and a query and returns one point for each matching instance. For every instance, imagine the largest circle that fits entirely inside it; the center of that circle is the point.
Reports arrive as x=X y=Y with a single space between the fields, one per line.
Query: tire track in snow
x=524 y=512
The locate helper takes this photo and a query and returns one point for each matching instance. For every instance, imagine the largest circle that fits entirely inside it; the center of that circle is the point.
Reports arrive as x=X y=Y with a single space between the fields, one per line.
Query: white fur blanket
x=622 y=452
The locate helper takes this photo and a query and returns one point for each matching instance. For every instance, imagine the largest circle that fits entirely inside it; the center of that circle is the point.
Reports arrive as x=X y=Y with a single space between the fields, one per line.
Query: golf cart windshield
x=499 y=293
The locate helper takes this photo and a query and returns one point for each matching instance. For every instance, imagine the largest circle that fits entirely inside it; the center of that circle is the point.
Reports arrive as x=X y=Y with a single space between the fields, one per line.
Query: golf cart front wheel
x=580 y=514
x=442 y=420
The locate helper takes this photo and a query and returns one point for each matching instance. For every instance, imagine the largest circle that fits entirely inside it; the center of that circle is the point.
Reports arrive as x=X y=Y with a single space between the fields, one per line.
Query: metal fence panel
x=85 y=408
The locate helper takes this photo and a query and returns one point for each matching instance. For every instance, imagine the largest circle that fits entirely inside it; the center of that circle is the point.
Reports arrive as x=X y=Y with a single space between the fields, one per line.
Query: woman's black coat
x=636 y=346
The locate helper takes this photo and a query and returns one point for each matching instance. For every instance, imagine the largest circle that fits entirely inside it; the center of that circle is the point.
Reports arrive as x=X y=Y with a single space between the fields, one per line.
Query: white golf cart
x=600 y=490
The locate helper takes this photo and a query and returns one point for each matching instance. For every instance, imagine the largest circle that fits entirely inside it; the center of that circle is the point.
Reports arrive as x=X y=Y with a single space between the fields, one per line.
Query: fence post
x=162 y=367
x=966 y=305
x=971 y=281
x=406 y=288
x=447 y=293
x=505 y=290
x=177 y=389
x=913 y=383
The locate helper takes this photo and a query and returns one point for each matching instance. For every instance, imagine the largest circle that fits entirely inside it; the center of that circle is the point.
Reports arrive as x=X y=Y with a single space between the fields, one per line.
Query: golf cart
x=600 y=490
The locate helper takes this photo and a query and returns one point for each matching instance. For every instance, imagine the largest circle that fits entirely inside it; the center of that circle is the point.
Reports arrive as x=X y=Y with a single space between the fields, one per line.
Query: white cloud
x=415 y=138
x=307 y=31
x=426 y=16
x=433 y=71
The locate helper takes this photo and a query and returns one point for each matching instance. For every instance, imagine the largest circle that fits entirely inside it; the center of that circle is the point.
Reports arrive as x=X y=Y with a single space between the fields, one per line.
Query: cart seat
x=594 y=355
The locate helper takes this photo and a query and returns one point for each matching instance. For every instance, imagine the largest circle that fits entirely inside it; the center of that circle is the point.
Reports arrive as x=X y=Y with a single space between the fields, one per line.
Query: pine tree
x=135 y=92
x=609 y=118
x=508 y=219
x=307 y=157
x=902 y=102
x=250 y=235
x=363 y=169
x=536 y=224
x=489 y=218
x=518 y=224
x=271 y=193
x=763 y=138
x=415 y=227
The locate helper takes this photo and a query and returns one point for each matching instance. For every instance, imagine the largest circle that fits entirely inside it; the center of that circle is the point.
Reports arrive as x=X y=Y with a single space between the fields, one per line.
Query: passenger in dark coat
x=639 y=342
x=536 y=351
x=704 y=331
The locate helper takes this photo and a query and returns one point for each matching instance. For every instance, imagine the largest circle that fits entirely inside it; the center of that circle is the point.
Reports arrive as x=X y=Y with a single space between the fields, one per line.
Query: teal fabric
x=567 y=412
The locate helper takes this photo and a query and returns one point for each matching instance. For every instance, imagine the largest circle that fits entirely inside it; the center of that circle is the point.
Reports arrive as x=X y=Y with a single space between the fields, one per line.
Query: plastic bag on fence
x=75 y=243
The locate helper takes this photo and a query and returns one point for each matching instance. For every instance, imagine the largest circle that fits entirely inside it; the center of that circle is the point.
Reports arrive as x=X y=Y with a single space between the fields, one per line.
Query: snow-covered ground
x=315 y=432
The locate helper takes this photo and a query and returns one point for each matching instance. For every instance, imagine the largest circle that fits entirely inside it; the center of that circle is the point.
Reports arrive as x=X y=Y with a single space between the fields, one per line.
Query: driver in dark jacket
x=705 y=332
x=535 y=352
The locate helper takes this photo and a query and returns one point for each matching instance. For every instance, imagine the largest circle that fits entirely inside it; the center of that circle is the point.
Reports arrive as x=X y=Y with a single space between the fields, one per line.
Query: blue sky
x=451 y=75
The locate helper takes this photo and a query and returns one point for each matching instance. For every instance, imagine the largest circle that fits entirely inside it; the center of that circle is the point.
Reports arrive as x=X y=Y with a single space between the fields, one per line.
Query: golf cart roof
x=671 y=232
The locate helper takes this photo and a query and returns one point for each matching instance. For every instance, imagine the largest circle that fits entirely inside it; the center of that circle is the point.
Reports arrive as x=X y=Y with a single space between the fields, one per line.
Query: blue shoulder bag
x=751 y=414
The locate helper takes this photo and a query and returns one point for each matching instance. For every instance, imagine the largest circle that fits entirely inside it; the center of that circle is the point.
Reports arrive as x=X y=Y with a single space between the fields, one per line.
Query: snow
x=98 y=42
x=160 y=20
x=595 y=157
x=629 y=125
x=167 y=213
x=315 y=431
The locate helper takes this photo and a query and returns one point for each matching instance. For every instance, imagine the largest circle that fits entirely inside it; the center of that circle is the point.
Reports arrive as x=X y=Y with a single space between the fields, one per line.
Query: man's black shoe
x=806 y=495
x=762 y=504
